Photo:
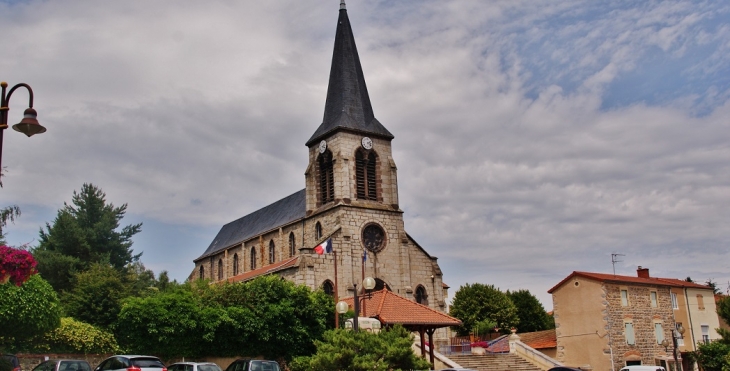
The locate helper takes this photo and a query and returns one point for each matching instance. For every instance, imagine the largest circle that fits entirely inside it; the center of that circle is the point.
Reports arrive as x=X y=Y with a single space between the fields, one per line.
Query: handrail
x=528 y=352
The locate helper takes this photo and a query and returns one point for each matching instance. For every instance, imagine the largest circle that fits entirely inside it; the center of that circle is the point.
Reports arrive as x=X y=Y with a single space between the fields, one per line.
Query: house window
x=705 y=333
x=629 y=332
x=659 y=332
x=675 y=304
x=328 y=288
x=365 y=175
x=625 y=298
x=700 y=302
x=680 y=339
x=220 y=269
x=318 y=231
x=421 y=295
x=272 y=252
x=292 y=244
x=235 y=264
x=326 y=178
x=653 y=299
x=253 y=258
x=202 y=272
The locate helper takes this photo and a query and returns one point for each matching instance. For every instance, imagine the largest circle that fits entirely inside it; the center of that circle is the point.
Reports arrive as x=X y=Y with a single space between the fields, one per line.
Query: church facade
x=350 y=200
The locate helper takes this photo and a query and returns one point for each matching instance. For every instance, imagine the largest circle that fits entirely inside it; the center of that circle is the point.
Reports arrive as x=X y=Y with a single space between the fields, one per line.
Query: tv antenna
x=614 y=260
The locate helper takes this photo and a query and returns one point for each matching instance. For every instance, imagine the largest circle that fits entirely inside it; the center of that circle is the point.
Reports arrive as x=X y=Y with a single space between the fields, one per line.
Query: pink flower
x=16 y=265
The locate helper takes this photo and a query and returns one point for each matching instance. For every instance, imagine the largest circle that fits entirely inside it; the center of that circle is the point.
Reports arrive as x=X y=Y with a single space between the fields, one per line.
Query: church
x=349 y=208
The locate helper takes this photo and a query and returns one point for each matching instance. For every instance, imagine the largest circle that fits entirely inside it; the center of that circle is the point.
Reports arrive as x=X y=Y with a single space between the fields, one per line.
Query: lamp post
x=28 y=125
x=676 y=334
x=368 y=284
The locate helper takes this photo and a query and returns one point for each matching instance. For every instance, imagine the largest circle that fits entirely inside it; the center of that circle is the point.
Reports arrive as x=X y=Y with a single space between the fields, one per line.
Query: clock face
x=322 y=146
x=367 y=143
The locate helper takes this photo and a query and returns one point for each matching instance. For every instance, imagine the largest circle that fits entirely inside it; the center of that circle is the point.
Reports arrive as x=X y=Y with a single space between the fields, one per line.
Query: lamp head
x=665 y=344
x=342 y=307
x=29 y=124
x=680 y=329
x=368 y=283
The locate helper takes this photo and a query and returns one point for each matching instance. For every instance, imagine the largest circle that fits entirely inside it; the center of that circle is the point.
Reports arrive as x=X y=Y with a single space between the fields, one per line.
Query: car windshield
x=147 y=362
x=264 y=366
x=208 y=368
x=73 y=366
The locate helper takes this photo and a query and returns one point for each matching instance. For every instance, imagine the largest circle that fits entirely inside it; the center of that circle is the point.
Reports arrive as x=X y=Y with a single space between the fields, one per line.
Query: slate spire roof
x=348 y=103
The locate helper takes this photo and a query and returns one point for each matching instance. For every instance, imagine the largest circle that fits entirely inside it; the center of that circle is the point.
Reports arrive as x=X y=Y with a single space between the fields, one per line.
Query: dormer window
x=325 y=168
x=365 y=176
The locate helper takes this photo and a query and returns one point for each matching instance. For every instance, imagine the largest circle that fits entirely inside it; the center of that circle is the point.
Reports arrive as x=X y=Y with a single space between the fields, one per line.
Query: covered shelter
x=391 y=309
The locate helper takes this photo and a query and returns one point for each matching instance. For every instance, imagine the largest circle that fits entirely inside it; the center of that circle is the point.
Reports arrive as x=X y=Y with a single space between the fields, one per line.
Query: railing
x=535 y=357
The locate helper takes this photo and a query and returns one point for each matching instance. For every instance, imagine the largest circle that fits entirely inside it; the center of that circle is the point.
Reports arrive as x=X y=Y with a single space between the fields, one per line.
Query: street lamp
x=676 y=334
x=368 y=284
x=28 y=125
x=341 y=308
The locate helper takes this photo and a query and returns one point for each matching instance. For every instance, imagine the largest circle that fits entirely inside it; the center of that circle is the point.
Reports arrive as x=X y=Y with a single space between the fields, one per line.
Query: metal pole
x=677 y=367
x=337 y=315
x=3 y=120
x=357 y=309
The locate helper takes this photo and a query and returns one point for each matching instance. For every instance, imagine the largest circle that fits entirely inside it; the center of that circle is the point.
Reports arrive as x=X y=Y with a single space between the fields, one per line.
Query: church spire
x=348 y=104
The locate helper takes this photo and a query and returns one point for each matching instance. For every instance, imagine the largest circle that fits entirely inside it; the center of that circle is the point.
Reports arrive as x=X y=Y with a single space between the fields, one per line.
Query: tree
x=7 y=214
x=530 y=311
x=16 y=265
x=715 y=355
x=360 y=351
x=723 y=311
x=27 y=311
x=78 y=337
x=713 y=285
x=86 y=231
x=96 y=296
x=476 y=302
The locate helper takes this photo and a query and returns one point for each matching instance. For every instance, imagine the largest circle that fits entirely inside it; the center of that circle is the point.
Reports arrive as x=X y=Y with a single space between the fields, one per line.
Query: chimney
x=642 y=272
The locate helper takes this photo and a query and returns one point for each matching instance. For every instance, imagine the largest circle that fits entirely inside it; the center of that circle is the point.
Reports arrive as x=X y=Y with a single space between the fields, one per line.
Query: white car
x=193 y=366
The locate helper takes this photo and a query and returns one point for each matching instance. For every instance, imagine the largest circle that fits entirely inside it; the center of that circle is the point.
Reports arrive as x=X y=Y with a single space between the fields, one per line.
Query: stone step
x=493 y=362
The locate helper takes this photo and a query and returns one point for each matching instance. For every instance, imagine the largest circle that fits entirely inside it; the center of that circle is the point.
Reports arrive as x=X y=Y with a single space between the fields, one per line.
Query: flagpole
x=362 y=262
x=337 y=289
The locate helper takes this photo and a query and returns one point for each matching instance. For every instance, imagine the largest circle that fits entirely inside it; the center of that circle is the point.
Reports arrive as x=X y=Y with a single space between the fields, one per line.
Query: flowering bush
x=16 y=265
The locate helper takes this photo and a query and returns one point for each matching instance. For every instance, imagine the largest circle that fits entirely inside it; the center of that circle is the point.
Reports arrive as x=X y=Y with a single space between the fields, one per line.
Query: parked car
x=13 y=360
x=564 y=368
x=63 y=365
x=642 y=368
x=194 y=366
x=253 y=365
x=131 y=363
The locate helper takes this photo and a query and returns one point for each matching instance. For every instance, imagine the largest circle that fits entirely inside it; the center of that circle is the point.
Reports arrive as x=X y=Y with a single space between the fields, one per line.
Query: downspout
x=691 y=327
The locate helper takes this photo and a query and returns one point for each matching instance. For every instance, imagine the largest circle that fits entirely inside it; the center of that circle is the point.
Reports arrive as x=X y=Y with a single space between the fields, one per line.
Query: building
x=350 y=202
x=609 y=321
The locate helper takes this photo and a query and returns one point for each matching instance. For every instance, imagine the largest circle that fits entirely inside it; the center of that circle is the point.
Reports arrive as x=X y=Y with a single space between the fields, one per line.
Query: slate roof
x=268 y=269
x=603 y=277
x=348 y=103
x=390 y=308
x=282 y=212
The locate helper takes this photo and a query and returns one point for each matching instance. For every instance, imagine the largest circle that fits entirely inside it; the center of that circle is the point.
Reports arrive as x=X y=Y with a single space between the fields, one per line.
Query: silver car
x=193 y=366
x=63 y=365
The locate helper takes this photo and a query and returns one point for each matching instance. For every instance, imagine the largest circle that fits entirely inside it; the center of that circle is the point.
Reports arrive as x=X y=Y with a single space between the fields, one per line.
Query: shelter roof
x=268 y=269
x=392 y=309
x=287 y=210
x=603 y=277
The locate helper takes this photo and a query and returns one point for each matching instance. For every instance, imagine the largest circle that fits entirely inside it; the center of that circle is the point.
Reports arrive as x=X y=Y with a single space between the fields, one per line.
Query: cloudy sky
x=532 y=138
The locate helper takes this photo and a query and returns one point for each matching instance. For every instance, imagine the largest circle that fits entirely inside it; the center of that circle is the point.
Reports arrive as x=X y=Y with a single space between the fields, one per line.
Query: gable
x=285 y=211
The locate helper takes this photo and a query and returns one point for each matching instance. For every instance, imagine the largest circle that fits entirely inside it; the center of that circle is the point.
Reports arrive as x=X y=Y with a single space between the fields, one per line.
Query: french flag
x=324 y=248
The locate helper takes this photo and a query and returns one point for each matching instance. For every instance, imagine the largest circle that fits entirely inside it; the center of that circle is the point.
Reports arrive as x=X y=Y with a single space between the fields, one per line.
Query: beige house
x=349 y=205
x=608 y=321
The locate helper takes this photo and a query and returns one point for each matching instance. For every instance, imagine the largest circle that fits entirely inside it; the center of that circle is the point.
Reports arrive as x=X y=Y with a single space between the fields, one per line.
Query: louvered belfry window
x=326 y=178
x=365 y=174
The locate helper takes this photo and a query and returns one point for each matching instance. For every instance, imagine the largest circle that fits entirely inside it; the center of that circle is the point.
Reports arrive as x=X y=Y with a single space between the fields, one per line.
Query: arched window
x=220 y=269
x=365 y=175
x=272 y=252
x=380 y=284
x=318 y=231
x=235 y=264
x=326 y=178
x=202 y=272
x=328 y=287
x=421 y=296
x=292 y=244
x=253 y=258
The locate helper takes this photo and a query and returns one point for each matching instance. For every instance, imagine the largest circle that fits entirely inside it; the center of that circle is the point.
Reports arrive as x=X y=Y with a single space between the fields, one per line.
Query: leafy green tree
x=87 y=230
x=476 y=302
x=96 y=296
x=78 y=337
x=712 y=356
x=27 y=311
x=530 y=311
x=7 y=215
x=723 y=311
x=347 y=350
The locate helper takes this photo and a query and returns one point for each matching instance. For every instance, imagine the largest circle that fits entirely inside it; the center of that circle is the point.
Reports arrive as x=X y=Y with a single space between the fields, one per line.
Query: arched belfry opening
x=326 y=181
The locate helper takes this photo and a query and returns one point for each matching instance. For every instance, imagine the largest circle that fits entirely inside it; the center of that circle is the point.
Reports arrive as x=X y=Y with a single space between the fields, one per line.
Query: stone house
x=608 y=321
x=350 y=201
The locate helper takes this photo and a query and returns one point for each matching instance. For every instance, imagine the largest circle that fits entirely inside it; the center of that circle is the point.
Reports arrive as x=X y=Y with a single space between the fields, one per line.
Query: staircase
x=493 y=362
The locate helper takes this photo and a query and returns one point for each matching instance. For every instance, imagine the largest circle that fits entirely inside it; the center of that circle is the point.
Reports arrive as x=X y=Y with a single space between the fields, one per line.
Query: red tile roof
x=540 y=339
x=268 y=269
x=603 y=277
x=391 y=309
